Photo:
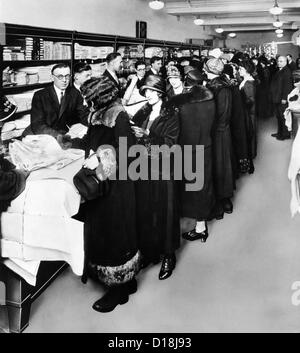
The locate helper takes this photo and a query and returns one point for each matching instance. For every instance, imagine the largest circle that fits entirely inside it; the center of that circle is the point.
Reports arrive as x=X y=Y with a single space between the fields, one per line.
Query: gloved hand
x=65 y=141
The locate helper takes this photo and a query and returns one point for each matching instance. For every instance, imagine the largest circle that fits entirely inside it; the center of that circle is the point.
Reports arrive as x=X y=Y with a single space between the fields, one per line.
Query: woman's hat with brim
x=155 y=83
x=193 y=78
x=7 y=109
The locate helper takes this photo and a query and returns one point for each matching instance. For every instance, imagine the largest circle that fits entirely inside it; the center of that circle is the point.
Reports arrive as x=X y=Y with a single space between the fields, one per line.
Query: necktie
x=61 y=96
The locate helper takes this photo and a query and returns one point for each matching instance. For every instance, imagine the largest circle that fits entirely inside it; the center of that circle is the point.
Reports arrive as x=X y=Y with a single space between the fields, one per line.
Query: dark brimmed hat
x=155 y=83
x=7 y=109
x=193 y=77
x=101 y=91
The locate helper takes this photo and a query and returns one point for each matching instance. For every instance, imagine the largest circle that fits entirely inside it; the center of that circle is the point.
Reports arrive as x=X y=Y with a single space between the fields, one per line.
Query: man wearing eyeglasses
x=57 y=107
x=135 y=82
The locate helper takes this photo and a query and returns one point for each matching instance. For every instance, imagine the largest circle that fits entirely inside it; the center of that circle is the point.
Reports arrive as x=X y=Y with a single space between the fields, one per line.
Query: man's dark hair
x=290 y=55
x=155 y=58
x=138 y=63
x=80 y=67
x=112 y=56
x=59 y=66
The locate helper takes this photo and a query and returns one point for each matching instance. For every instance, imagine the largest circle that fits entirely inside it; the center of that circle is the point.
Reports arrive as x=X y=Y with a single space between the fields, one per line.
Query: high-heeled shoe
x=167 y=267
x=193 y=235
x=113 y=297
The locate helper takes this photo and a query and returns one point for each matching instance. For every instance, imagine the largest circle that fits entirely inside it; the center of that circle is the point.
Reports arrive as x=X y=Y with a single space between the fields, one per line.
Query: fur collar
x=218 y=83
x=108 y=116
x=167 y=110
x=194 y=95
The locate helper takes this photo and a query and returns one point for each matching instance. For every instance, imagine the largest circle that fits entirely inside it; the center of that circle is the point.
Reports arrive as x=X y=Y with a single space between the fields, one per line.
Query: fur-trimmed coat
x=196 y=116
x=158 y=224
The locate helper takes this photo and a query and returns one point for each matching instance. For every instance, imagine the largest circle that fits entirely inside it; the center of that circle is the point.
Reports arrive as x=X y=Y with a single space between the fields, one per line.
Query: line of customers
x=137 y=223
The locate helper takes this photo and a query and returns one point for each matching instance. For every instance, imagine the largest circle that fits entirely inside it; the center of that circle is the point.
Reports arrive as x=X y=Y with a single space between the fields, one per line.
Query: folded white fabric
x=26 y=269
x=41 y=151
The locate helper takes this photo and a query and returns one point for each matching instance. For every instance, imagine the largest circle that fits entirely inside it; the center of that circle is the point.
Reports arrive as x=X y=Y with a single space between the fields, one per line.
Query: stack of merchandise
x=22 y=100
x=13 y=53
x=57 y=50
x=94 y=53
x=14 y=129
x=153 y=51
x=44 y=73
x=28 y=48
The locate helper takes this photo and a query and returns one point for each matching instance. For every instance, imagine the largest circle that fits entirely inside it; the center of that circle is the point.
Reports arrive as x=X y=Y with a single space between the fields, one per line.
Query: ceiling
x=237 y=16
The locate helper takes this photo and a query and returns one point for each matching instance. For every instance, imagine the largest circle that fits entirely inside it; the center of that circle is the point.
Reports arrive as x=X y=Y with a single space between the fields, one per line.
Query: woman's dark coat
x=157 y=202
x=222 y=145
x=197 y=114
x=238 y=125
x=248 y=92
x=12 y=183
x=110 y=222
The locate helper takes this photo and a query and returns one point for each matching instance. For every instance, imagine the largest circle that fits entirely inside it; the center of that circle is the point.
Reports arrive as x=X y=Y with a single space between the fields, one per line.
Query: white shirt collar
x=77 y=86
x=58 y=92
x=113 y=75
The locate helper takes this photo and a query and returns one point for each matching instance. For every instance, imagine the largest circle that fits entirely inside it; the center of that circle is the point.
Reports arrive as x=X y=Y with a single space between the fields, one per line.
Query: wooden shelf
x=15 y=89
x=6 y=63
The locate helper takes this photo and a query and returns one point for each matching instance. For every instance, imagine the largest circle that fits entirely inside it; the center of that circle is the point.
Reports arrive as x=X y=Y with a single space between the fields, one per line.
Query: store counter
x=39 y=239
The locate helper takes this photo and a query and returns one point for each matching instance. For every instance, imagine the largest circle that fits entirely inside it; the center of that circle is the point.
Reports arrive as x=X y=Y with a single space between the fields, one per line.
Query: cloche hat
x=155 y=83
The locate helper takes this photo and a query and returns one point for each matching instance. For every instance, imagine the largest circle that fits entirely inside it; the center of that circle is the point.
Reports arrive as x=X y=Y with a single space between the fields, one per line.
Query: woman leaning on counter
x=112 y=255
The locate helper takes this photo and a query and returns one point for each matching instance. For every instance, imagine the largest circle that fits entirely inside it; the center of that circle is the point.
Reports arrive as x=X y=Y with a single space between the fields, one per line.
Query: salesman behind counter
x=57 y=107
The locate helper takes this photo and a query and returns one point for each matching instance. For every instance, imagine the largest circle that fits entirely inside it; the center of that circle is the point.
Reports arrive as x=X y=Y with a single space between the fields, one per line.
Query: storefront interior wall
x=100 y=16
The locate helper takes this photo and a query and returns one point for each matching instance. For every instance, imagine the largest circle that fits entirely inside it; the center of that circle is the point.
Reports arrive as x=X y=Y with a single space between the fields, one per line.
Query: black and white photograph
x=149 y=169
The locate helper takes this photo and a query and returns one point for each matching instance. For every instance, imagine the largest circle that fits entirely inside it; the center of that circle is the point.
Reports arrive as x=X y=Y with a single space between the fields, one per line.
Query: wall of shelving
x=100 y=16
x=260 y=38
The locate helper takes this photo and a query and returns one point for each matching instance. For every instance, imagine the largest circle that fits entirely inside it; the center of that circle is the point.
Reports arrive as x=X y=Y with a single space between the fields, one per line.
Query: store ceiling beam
x=225 y=6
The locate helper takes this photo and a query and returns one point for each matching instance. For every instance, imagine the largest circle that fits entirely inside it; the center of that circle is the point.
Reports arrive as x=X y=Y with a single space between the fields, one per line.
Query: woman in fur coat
x=112 y=255
x=158 y=224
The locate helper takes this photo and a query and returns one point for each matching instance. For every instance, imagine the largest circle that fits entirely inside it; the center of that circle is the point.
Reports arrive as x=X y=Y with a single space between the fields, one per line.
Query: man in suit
x=57 y=107
x=281 y=86
x=291 y=63
x=156 y=65
x=114 y=63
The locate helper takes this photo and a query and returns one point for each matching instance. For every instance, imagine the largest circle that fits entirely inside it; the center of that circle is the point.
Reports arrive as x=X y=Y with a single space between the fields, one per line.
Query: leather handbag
x=89 y=186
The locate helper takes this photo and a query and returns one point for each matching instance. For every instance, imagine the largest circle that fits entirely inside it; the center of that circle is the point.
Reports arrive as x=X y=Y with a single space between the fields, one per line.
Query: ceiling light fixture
x=232 y=35
x=279 y=35
x=279 y=31
x=277 y=23
x=156 y=4
x=198 y=21
x=276 y=10
x=219 y=30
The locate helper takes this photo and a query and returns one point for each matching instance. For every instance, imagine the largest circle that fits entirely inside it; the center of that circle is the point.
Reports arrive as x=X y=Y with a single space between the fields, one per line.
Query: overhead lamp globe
x=219 y=30
x=156 y=4
x=198 y=21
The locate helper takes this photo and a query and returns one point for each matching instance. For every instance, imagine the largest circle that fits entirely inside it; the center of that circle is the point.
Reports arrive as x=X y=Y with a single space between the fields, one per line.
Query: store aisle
x=238 y=281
